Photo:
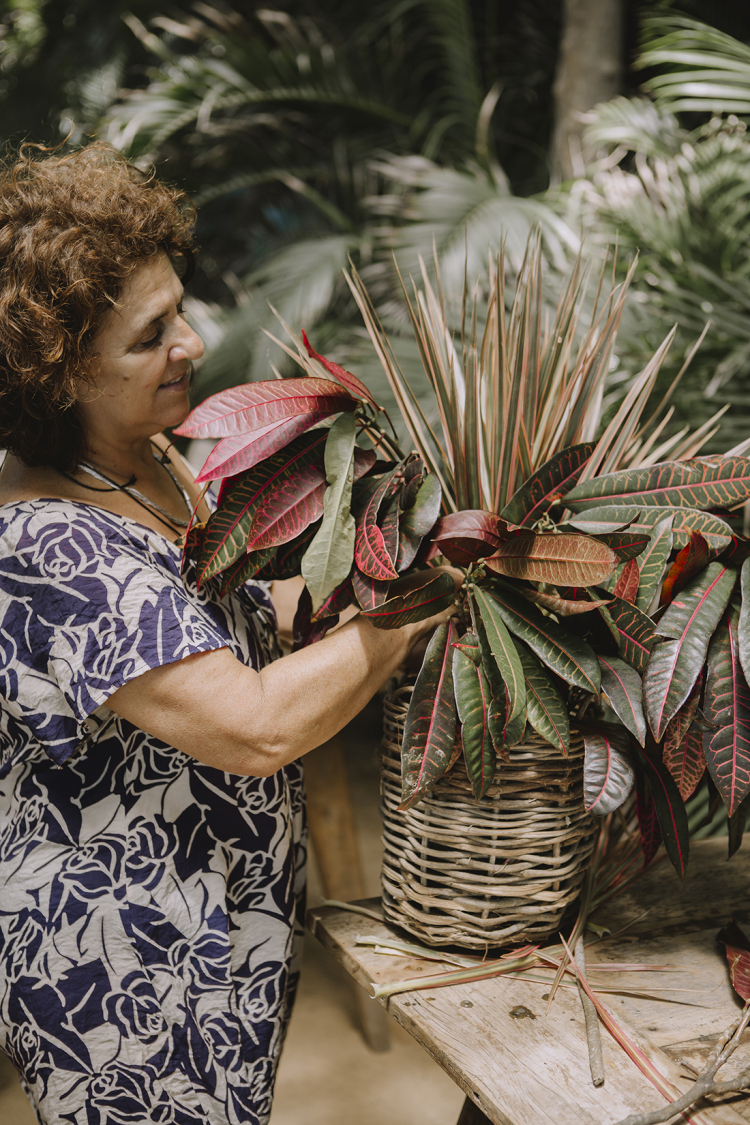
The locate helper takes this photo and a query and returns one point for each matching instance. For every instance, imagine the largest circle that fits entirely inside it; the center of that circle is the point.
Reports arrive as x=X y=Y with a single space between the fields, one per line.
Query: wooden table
x=533 y=1069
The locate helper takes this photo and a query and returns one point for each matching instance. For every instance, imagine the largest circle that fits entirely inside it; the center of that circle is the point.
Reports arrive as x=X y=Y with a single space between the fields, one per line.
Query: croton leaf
x=626 y=586
x=234 y=455
x=418 y=520
x=675 y=663
x=388 y=523
x=546 y=709
x=286 y=560
x=191 y=544
x=636 y=632
x=726 y=703
x=328 y=560
x=563 y=607
x=736 y=826
x=245 y=568
x=464 y=537
x=336 y=602
x=492 y=633
x=351 y=382
x=370 y=550
x=625 y=544
x=689 y=562
x=305 y=630
x=716 y=531
x=685 y=760
x=290 y=502
x=705 y=483
x=568 y=656
x=652 y=563
x=415 y=605
x=229 y=527
x=370 y=592
x=608 y=775
x=570 y=560
x=737 y=947
x=548 y=484
x=670 y=810
x=744 y=625
x=623 y=689
x=255 y=406
x=648 y=821
x=473 y=700
x=430 y=728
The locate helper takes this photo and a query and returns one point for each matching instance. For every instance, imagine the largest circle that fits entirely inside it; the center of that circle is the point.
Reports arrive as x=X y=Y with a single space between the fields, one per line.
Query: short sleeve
x=85 y=606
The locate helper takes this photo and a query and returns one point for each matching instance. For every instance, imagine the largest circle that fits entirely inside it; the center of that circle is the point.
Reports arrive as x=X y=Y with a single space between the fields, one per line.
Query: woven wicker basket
x=488 y=873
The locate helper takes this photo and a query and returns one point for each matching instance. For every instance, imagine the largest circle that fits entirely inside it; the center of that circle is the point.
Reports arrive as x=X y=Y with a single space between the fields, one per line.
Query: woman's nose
x=189 y=345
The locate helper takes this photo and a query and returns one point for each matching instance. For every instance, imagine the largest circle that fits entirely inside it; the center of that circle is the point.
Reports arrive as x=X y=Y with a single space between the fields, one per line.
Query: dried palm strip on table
x=482 y=874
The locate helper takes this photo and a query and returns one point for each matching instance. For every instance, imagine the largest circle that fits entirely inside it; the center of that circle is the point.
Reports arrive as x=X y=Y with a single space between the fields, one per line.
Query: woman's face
x=141 y=361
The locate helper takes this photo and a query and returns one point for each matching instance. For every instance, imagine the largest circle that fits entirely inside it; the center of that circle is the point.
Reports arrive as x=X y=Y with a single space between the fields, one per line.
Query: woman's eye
x=144 y=345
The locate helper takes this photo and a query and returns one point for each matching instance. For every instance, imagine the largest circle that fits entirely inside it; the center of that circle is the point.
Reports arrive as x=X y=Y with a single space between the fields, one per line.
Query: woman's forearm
x=228 y=716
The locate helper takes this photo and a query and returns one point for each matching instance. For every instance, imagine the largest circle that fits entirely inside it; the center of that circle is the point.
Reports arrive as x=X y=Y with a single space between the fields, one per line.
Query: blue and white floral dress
x=150 y=906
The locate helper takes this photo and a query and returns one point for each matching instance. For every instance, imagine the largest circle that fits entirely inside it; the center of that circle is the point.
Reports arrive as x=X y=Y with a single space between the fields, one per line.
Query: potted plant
x=600 y=641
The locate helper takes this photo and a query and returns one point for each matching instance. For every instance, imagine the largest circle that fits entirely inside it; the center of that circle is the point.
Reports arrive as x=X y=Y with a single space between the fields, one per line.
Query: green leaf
x=544 y=487
x=492 y=632
x=744 y=624
x=245 y=568
x=674 y=664
x=670 y=810
x=715 y=482
x=418 y=520
x=430 y=728
x=416 y=605
x=473 y=703
x=571 y=658
x=328 y=560
x=716 y=532
x=623 y=688
x=635 y=632
x=727 y=705
x=653 y=561
x=546 y=710
x=608 y=775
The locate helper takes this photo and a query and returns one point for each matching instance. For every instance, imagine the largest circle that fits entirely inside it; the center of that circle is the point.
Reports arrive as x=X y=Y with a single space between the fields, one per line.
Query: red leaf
x=295 y=500
x=689 y=561
x=737 y=946
x=370 y=550
x=306 y=631
x=625 y=545
x=464 y=537
x=648 y=821
x=685 y=761
x=335 y=603
x=240 y=452
x=351 y=382
x=256 y=406
x=370 y=592
x=626 y=586
x=673 y=822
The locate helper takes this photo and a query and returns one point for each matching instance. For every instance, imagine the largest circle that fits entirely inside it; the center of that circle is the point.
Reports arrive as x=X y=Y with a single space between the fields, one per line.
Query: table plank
x=534 y=1069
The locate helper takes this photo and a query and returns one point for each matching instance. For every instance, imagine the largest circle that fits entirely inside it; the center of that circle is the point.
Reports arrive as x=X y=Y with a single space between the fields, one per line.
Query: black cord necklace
x=174 y=523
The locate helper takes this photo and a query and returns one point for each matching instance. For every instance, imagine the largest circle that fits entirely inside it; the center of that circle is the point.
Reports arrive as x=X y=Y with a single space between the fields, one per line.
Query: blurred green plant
x=675 y=188
x=351 y=148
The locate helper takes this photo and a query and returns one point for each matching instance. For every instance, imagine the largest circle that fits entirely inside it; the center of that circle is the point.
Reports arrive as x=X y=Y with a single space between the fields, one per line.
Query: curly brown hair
x=72 y=230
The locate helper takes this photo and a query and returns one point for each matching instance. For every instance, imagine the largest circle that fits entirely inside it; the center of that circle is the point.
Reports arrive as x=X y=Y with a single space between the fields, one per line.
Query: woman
x=151 y=808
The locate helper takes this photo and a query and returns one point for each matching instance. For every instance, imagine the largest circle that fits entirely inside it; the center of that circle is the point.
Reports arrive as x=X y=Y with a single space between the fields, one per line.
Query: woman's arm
x=251 y=723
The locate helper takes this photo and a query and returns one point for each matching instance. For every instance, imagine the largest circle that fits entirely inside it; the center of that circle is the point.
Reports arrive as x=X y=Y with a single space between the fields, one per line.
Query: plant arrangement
x=605 y=585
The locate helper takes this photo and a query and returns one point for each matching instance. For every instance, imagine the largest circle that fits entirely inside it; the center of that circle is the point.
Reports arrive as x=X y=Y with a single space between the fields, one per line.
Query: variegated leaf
x=727 y=705
x=608 y=775
x=430 y=728
x=569 y=560
x=473 y=700
x=546 y=709
x=623 y=689
x=653 y=562
x=675 y=663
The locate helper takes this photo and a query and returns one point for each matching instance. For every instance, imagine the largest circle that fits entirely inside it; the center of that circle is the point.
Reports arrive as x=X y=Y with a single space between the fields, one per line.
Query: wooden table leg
x=333 y=836
x=471 y=1114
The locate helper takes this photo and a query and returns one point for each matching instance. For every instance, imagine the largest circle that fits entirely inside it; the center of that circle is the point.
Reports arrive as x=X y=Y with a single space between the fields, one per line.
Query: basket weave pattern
x=481 y=874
